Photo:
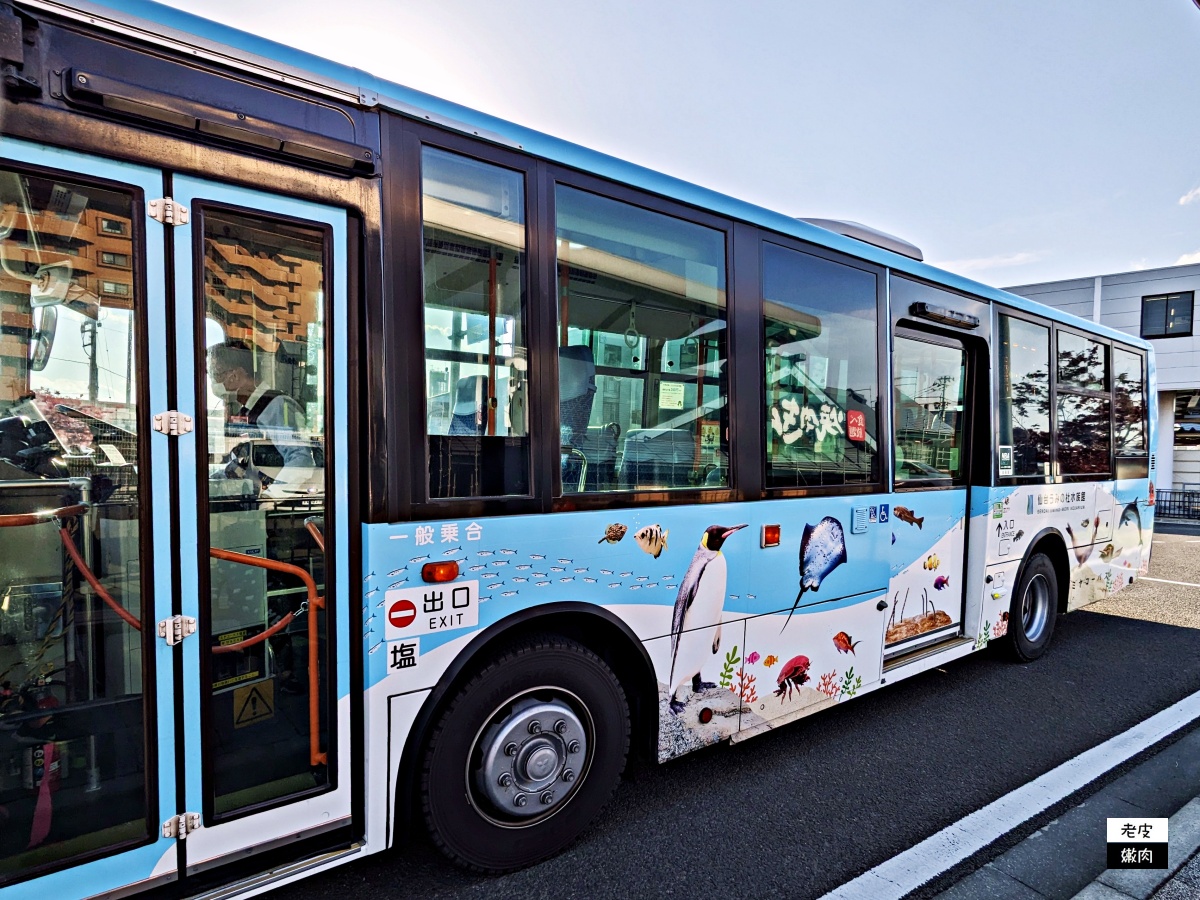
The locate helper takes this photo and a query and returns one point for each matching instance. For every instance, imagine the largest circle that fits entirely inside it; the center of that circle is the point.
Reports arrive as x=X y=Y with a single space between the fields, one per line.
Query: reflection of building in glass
x=1157 y=304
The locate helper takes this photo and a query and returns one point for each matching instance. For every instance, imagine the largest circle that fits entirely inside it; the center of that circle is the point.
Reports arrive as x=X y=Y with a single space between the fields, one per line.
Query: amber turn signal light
x=770 y=535
x=438 y=572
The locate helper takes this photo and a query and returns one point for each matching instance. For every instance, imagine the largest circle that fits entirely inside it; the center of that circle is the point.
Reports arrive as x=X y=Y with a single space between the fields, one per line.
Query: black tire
x=1034 y=609
x=576 y=699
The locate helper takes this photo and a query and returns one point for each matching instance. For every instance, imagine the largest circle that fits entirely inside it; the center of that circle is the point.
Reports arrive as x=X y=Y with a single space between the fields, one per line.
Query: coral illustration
x=828 y=685
x=851 y=683
x=770 y=660
x=731 y=660
x=744 y=687
x=1000 y=629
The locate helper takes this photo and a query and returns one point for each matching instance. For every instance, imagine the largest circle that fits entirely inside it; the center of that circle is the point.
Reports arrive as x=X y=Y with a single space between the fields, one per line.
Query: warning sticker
x=253 y=703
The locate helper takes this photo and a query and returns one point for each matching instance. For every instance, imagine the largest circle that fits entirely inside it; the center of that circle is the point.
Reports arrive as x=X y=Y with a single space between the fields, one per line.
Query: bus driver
x=254 y=408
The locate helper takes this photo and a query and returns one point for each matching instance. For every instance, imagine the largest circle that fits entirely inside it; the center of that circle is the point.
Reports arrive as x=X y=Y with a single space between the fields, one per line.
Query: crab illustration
x=793 y=674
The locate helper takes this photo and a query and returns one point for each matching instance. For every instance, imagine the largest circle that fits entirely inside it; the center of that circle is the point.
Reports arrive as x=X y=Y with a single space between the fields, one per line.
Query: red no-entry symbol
x=402 y=613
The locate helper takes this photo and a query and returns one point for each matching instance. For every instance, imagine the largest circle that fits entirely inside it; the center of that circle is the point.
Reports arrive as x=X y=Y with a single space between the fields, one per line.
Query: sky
x=1013 y=142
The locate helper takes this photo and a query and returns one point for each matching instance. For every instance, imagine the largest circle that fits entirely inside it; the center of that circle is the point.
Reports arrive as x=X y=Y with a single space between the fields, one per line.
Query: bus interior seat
x=657 y=457
x=576 y=392
x=470 y=405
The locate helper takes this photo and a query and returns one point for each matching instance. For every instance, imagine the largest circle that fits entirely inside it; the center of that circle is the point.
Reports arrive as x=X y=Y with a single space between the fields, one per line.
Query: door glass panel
x=73 y=744
x=929 y=384
x=267 y=713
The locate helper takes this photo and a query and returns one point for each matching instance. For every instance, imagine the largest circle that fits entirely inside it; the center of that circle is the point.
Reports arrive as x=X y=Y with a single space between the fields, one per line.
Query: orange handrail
x=315 y=602
x=311 y=524
x=54 y=515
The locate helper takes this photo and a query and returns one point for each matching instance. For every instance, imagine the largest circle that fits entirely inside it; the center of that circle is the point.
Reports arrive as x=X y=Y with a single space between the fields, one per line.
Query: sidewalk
x=1066 y=859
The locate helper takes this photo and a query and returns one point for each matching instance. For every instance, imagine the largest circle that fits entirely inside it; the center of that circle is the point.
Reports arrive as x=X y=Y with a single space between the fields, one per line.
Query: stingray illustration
x=822 y=549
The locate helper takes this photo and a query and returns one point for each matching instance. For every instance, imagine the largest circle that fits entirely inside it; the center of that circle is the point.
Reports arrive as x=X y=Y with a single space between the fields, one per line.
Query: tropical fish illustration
x=613 y=533
x=1107 y=553
x=751 y=658
x=845 y=643
x=652 y=539
x=1085 y=523
x=932 y=562
x=793 y=674
x=822 y=549
x=941 y=583
x=904 y=514
x=770 y=660
x=698 y=606
x=1131 y=516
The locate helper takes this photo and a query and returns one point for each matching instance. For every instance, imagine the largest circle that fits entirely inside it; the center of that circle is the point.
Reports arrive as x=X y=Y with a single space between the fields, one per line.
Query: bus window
x=1129 y=402
x=1084 y=430
x=642 y=380
x=821 y=370
x=72 y=698
x=1025 y=395
x=475 y=353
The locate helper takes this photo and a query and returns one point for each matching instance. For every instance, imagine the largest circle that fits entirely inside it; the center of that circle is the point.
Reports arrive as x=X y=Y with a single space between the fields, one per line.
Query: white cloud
x=985 y=263
x=1188 y=259
x=1190 y=197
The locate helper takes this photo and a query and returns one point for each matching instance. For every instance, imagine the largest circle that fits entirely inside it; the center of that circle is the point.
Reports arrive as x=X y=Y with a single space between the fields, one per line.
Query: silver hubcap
x=532 y=755
x=1035 y=608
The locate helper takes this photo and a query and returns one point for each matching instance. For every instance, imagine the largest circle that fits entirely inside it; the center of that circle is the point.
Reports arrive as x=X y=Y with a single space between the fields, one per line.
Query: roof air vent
x=870 y=236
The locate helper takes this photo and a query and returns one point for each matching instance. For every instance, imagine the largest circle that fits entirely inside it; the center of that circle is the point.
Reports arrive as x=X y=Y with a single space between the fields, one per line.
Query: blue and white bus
x=371 y=466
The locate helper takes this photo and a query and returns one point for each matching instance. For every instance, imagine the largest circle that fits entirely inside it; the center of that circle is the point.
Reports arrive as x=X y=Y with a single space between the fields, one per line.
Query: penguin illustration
x=698 y=605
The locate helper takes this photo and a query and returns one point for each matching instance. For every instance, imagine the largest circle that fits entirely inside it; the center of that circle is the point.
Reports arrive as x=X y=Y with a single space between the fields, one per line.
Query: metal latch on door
x=181 y=826
x=176 y=628
x=173 y=423
x=168 y=212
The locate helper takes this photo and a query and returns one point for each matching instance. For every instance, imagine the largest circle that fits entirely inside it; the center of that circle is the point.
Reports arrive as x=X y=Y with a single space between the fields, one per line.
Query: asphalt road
x=798 y=811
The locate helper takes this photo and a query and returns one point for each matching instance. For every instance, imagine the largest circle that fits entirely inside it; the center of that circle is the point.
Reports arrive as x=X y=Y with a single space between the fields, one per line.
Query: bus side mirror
x=45 y=321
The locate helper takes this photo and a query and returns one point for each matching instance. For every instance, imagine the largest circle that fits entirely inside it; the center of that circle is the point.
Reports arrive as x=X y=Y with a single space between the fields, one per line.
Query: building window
x=120 y=260
x=112 y=226
x=1167 y=315
x=114 y=287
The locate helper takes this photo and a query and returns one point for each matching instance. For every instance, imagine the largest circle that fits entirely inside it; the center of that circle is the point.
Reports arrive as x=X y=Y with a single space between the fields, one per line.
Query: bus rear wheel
x=1033 y=609
x=525 y=756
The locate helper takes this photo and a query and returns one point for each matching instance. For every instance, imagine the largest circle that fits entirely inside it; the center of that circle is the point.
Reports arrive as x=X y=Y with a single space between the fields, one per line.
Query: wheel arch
x=594 y=627
x=1049 y=541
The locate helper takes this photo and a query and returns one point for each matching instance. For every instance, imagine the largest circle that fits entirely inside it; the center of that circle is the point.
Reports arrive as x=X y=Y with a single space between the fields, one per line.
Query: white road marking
x=1167 y=581
x=920 y=864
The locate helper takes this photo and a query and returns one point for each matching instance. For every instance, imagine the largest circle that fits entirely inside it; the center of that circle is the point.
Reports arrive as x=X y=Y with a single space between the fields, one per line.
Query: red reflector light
x=438 y=572
x=770 y=535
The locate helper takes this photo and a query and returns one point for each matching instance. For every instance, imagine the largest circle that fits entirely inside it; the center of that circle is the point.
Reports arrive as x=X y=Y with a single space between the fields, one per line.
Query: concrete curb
x=1183 y=842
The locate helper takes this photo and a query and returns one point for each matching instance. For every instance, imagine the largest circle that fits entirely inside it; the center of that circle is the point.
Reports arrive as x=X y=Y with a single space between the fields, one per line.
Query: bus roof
x=205 y=39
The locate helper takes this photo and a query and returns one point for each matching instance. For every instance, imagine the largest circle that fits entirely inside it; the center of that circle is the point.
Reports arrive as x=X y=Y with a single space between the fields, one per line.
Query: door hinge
x=168 y=212
x=181 y=826
x=176 y=628
x=173 y=423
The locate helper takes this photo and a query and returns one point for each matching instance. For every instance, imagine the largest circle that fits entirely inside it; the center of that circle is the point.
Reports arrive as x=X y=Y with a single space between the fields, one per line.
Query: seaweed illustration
x=851 y=683
x=731 y=660
x=828 y=685
x=984 y=636
x=744 y=687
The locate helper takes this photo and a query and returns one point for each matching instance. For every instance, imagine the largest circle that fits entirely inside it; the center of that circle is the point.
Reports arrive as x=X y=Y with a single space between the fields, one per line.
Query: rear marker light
x=770 y=535
x=438 y=572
